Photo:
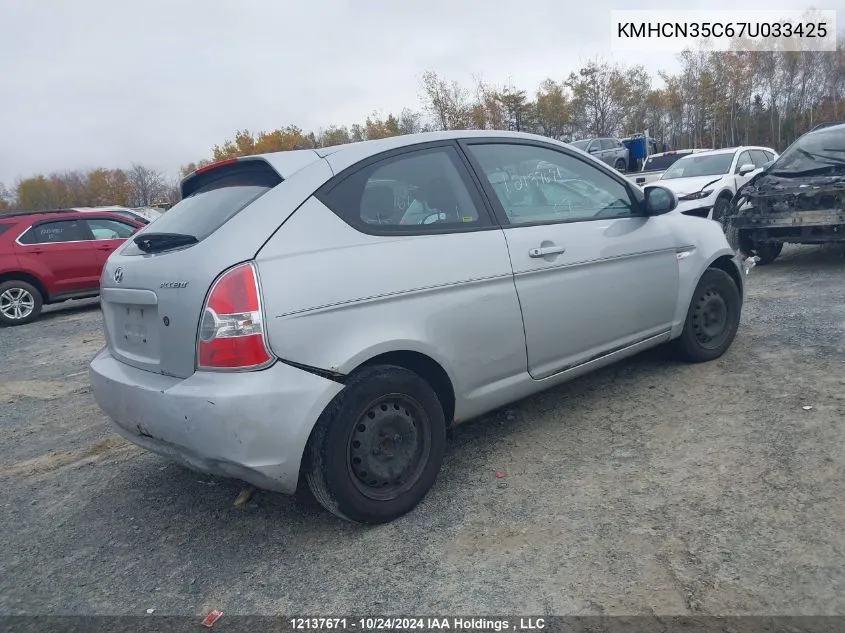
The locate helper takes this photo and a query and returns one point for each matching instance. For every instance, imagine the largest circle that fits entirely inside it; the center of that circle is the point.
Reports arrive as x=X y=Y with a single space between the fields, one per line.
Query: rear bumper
x=249 y=425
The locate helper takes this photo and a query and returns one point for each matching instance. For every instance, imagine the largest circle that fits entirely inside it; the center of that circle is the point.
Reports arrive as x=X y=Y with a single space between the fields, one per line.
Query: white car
x=656 y=164
x=705 y=182
x=139 y=215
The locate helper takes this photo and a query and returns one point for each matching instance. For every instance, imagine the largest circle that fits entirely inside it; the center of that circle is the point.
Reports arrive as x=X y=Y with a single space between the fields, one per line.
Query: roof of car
x=383 y=144
x=52 y=214
x=289 y=162
x=826 y=125
x=732 y=150
x=672 y=152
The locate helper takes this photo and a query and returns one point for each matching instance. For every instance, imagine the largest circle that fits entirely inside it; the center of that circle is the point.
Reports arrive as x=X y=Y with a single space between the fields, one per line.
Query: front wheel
x=721 y=209
x=712 y=319
x=620 y=165
x=377 y=448
x=767 y=252
x=20 y=302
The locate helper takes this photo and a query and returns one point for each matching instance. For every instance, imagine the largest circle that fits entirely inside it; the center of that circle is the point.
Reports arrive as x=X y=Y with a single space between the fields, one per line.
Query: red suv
x=52 y=256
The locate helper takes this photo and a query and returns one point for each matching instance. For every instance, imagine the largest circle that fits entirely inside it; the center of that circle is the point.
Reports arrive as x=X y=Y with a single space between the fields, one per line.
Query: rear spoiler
x=251 y=166
x=283 y=164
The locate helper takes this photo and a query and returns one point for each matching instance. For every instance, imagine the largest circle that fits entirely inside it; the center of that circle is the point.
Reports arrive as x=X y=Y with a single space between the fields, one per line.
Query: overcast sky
x=89 y=83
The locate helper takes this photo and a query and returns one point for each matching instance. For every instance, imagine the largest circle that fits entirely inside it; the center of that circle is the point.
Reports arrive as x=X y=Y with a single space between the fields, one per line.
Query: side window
x=105 y=229
x=60 y=231
x=537 y=184
x=594 y=146
x=744 y=159
x=609 y=143
x=759 y=157
x=425 y=190
x=769 y=156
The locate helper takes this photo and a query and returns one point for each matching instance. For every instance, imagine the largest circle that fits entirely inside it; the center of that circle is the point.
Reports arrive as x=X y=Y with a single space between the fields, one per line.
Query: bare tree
x=146 y=185
x=410 y=121
x=447 y=102
x=7 y=200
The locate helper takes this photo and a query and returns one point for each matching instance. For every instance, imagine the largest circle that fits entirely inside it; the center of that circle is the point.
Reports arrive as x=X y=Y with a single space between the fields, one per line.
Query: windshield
x=692 y=166
x=820 y=150
x=582 y=145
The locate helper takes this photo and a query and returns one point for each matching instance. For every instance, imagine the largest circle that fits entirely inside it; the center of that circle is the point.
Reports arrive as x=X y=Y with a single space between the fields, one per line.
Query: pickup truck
x=656 y=164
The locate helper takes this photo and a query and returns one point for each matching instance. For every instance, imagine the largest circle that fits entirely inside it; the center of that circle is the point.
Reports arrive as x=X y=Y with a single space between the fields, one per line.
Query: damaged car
x=798 y=198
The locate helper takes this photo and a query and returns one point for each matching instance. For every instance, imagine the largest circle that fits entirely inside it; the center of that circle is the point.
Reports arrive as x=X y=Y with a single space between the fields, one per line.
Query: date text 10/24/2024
x=417 y=623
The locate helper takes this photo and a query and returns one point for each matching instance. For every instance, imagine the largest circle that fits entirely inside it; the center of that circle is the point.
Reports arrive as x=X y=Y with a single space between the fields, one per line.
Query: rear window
x=215 y=197
x=655 y=163
x=72 y=230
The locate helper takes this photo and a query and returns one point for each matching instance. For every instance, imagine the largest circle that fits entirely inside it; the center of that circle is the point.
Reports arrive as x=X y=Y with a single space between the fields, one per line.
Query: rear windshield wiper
x=158 y=242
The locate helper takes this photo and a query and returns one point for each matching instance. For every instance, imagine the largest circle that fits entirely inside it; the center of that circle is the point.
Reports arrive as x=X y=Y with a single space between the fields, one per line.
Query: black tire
x=374 y=472
x=19 y=297
x=767 y=252
x=721 y=209
x=620 y=165
x=712 y=319
x=738 y=239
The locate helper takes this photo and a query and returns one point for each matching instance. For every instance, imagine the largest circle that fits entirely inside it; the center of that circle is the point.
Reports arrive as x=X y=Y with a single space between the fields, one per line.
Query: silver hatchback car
x=323 y=316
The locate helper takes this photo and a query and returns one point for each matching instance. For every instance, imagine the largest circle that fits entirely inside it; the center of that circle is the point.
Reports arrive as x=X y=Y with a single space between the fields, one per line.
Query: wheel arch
x=726 y=264
x=403 y=355
x=28 y=278
x=426 y=368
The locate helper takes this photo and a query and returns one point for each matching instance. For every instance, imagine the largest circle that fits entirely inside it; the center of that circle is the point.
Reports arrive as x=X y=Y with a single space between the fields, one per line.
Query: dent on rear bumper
x=249 y=425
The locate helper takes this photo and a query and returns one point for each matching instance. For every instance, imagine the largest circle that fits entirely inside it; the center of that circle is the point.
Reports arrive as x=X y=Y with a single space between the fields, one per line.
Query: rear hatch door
x=154 y=287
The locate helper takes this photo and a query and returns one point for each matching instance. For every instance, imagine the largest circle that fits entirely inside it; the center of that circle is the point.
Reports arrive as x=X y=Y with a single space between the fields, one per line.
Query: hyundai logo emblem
x=118 y=275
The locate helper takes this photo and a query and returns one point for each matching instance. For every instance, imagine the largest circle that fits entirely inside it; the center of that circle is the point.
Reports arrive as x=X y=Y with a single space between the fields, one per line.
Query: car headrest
x=377 y=201
x=440 y=195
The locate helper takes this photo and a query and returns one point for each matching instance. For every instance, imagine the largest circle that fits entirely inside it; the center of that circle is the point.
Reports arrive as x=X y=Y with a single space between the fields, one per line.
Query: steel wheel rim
x=388 y=447
x=16 y=303
x=710 y=318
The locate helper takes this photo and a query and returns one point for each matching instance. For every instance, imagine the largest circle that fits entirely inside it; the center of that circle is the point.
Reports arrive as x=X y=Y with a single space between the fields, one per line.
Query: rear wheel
x=712 y=319
x=377 y=448
x=20 y=302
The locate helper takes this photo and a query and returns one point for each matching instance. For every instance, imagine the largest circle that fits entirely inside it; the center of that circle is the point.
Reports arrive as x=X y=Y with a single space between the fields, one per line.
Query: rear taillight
x=231 y=334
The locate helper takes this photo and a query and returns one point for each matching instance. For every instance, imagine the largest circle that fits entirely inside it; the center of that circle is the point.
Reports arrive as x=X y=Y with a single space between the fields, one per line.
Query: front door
x=593 y=275
x=108 y=235
x=743 y=159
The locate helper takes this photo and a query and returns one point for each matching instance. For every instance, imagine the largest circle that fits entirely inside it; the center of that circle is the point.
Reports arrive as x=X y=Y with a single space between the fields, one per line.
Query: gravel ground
x=650 y=487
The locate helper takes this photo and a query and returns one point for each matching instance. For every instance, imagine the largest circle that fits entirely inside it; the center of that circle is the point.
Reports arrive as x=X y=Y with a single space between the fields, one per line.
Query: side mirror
x=659 y=200
x=747 y=168
x=593 y=150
